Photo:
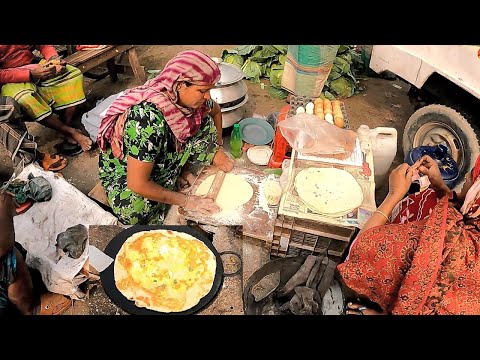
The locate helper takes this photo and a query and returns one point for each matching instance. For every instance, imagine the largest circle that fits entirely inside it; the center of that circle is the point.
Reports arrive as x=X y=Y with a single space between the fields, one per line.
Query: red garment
x=427 y=262
x=424 y=267
x=415 y=207
x=13 y=57
x=191 y=66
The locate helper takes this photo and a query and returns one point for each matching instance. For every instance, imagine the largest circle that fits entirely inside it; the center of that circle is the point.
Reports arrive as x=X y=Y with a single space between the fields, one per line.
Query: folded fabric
x=38 y=188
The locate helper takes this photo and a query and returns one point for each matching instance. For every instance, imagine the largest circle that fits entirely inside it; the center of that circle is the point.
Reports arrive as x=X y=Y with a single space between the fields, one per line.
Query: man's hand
x=222 y=161
x=202 y=205
x=59 y=64
x=400 y=180
x=43 y=72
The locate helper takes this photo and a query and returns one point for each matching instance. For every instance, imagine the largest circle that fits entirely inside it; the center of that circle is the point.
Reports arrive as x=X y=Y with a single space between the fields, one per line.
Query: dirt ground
x=381 y=104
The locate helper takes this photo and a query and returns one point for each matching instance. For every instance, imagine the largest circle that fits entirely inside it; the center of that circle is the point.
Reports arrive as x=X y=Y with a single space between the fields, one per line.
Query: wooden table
x=257 y=222
x=86 y=60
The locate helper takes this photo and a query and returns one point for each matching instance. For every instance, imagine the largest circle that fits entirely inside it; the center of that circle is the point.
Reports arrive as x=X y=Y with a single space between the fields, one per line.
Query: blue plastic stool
x=448 y=167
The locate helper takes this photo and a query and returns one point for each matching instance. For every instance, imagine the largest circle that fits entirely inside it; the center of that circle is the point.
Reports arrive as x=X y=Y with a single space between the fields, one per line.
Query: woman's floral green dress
x=147 y=137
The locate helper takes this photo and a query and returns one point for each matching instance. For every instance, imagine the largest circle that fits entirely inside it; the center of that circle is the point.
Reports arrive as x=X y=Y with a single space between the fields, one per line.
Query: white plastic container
x=384 y=147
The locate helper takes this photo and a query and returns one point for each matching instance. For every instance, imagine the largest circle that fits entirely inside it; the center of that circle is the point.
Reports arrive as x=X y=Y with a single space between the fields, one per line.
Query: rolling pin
x=216 y=184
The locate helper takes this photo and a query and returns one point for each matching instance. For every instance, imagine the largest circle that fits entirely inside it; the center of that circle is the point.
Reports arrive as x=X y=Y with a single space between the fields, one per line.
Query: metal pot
x=229 y=93
x=231 y=117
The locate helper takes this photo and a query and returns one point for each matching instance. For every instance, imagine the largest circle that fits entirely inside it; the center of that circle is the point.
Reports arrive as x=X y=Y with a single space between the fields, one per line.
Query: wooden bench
x=86 y=60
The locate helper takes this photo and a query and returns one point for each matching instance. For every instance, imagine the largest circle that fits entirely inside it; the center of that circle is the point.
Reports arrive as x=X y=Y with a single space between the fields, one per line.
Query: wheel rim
x=436 y=133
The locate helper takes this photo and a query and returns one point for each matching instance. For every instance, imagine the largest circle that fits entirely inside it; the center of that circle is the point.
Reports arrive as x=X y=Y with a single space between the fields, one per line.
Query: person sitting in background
x=19 y=144
x=44 y=89
x=419 y=255
x=150 y=134
x=16 y=288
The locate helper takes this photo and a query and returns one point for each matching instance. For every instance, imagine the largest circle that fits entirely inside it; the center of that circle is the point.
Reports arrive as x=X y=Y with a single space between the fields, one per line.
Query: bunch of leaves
x=342 y=81
x=260 y=61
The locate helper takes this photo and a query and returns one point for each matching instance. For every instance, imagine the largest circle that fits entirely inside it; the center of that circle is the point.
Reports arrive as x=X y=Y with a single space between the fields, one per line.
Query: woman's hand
x=429 y=167
x=222 y=161
x=203 y=205
x=400 y=180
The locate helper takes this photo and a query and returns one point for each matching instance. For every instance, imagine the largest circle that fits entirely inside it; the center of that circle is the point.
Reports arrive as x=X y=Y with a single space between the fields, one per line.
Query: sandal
x=52 y=162
x=360 y=309
x=54 y=304
x=21 y=208
x=68 y=149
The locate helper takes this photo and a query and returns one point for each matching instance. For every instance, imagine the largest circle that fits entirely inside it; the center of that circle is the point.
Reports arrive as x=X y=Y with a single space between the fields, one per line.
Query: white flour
x=262 y=198
x=235 y=217
x=230 y=217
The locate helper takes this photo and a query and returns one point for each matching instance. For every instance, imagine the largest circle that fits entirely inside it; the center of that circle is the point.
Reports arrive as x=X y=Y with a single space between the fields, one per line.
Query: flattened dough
x=329 y=190
x=234 y=192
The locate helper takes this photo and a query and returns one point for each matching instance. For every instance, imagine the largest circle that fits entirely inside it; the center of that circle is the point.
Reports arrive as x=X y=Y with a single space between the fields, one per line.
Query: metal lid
x=229 y=74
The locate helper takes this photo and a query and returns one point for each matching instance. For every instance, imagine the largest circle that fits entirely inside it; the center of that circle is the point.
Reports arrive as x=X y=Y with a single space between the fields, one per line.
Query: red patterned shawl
x=429 y=265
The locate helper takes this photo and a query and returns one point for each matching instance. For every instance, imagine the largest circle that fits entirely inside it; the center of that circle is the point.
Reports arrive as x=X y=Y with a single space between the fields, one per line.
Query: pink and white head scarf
x=191 y=66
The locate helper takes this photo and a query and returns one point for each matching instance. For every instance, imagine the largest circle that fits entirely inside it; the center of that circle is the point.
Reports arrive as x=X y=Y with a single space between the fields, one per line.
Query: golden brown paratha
x=164 y=270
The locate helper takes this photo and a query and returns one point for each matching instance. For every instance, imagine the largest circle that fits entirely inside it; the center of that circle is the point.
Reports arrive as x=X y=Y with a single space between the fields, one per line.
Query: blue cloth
x=8 y=269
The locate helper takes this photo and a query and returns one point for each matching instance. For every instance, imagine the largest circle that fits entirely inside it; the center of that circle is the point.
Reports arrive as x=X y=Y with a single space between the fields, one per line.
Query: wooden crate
x=294 y=237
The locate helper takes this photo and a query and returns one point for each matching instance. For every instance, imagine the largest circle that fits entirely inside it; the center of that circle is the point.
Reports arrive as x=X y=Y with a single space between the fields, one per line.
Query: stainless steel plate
x=229 y=74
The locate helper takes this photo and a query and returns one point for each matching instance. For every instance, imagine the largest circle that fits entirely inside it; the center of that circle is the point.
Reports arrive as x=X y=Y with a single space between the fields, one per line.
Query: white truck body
x=416 y=63
x=445 y=89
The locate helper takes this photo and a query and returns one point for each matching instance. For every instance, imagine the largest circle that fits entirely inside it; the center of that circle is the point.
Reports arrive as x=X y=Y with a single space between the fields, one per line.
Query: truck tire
x=439 y=124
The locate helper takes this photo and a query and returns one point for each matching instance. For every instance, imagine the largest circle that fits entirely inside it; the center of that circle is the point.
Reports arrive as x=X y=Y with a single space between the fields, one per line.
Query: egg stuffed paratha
x=164 y=270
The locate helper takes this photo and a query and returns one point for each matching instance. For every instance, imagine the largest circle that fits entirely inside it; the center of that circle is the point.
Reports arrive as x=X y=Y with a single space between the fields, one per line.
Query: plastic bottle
x=363 y=133
x=236 y=142
x=384 y=147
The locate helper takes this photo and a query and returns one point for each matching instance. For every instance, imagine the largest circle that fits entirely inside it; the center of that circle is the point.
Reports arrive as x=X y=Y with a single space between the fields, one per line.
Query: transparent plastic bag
x=284 y=177
x=307 y=134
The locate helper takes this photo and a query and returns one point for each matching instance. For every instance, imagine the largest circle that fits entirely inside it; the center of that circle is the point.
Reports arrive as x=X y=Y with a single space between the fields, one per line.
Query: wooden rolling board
x=257 y=222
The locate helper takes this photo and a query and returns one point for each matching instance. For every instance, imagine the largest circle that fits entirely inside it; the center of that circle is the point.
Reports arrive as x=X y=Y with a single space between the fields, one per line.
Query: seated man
x=40 y=89
x=18 y=143
x=16 y=289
